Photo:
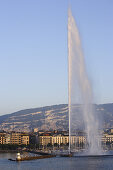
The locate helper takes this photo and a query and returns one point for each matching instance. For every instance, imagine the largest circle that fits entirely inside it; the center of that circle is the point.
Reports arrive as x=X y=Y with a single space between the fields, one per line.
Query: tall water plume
x=80 y=92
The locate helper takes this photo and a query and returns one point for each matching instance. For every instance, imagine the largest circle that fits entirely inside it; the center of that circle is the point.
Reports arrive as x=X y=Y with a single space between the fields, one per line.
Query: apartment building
x=14 y=138
x=107 y=138
x=25 y=139
x=19 y=138
x=60 y=139
x=44 y=140
x=2 y=138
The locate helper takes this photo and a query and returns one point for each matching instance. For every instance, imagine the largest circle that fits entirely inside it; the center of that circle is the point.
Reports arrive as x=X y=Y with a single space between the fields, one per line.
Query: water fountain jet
x=80 y=94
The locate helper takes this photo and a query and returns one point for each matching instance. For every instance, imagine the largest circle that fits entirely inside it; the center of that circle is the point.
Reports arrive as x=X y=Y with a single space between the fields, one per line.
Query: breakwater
x=34 y=157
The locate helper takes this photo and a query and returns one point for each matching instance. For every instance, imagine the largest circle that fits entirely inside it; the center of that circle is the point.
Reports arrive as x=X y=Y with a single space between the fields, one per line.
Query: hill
x=50 y=117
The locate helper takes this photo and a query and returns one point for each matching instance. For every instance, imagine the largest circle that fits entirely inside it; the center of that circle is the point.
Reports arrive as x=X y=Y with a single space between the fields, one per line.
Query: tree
x=49 y=145
x=67 y=144
x=56 y=144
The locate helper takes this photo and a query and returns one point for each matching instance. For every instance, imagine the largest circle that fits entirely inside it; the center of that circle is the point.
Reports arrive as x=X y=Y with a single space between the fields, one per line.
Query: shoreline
x=10 y=151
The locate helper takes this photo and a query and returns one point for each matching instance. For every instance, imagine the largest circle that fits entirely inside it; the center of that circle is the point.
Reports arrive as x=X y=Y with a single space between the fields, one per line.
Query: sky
x=34 y=55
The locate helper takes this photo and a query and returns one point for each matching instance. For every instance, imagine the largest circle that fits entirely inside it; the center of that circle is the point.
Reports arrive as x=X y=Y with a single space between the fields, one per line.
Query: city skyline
x=33 y=51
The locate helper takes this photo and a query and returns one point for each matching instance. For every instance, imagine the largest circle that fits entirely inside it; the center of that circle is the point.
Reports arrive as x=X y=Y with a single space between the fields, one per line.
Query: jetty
x=34 y=157
x=27 y=158
x=40 y=155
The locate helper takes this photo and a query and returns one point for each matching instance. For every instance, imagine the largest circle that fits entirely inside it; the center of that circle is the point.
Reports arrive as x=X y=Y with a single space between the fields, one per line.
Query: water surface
x=58 y=163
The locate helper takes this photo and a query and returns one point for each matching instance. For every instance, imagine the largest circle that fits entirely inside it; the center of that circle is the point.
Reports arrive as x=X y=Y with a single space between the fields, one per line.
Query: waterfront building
x=60 y=139
x=14 y=138
x=45 y=140
x=25 y=139
x=7 y=138
x=19 y=138
x=51 y=138
x=107 y=138
x=2 y=138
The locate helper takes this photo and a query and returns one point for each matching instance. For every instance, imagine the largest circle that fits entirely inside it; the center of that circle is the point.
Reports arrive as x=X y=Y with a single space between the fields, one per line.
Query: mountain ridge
x=50 y=118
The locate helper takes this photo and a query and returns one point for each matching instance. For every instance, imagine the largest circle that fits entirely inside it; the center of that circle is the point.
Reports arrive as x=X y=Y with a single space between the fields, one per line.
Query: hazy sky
x=33 y=51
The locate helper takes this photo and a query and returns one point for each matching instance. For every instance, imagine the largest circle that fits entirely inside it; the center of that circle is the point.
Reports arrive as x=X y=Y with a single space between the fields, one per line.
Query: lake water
x=58 y=163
